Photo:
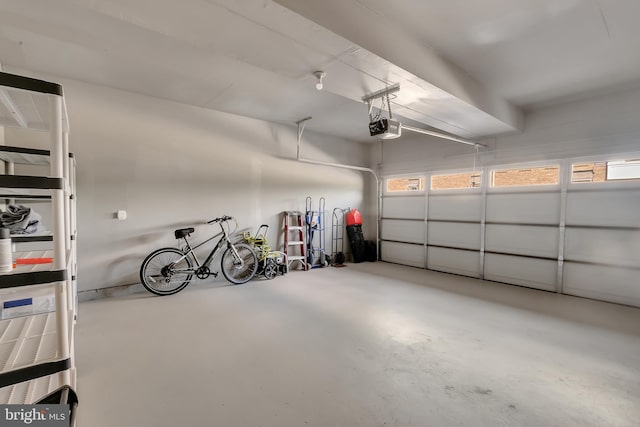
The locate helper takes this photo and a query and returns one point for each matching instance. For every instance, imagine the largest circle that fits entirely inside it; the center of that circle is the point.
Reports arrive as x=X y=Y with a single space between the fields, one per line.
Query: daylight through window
x=404 y=184
x=456 y=181
x=606 y=171
x=546 y=175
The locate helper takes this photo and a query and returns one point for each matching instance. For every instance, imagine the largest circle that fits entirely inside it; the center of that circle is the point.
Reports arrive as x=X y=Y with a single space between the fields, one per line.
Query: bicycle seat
x=184 y=232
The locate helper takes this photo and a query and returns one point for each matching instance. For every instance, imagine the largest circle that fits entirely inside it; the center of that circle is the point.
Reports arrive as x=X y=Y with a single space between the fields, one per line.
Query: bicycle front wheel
x=166 y=271
x=241 y=268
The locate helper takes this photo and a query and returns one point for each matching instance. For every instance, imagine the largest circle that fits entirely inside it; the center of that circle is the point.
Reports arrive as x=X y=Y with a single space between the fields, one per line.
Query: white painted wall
x=170 y=165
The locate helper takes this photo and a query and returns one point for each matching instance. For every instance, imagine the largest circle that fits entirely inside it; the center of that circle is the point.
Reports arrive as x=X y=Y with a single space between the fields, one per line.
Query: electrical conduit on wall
x=301 y=124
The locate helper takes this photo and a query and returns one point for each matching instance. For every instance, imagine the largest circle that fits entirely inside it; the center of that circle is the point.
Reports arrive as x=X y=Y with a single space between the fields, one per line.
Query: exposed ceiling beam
x=372 y=31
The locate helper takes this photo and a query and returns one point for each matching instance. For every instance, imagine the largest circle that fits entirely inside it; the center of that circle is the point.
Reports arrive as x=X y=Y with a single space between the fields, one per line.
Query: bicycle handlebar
x=221 y=219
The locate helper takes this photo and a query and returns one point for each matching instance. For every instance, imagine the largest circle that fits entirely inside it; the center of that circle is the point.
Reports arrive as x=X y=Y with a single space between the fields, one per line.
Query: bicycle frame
x=190 y=250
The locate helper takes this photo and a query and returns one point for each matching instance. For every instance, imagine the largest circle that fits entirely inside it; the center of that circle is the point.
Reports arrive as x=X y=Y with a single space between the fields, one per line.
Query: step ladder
x=294 y=239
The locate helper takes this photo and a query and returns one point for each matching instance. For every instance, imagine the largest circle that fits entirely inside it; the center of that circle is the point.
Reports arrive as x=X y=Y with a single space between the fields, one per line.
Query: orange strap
x=34 y=260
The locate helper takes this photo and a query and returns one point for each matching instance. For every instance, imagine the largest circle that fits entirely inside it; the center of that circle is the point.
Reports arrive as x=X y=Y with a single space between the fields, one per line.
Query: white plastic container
x=6 y=254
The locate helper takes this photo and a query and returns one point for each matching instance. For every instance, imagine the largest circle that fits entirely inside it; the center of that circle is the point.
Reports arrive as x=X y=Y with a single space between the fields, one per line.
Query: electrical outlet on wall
x=121 y=215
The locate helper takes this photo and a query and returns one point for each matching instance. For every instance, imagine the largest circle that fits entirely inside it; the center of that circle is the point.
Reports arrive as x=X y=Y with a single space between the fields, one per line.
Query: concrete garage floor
x=371 y=344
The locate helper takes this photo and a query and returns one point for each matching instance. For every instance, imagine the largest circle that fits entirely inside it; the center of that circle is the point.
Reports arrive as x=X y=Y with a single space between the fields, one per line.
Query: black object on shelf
x=65 y=395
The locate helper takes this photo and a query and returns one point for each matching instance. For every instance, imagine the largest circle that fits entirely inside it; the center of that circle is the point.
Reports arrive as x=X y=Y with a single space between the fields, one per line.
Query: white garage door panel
x=403 y=207
x=403 y=231
x=525 y=208
x=457 y=235
x=464 y=207
x=615 y=284
x=403 y=253
x=606 y=208
x=617 y=247
x=530 y=272
x=466 y=263
x=522 y=240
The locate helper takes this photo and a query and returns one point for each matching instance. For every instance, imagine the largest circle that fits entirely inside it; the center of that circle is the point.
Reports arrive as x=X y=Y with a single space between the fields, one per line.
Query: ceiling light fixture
x=319 y=75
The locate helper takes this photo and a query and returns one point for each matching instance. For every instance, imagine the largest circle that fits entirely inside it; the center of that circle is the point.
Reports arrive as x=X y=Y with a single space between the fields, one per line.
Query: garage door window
x=589 y=172
x=456 y=181
x=620 y=170
x=405 y=184
x=545 y=175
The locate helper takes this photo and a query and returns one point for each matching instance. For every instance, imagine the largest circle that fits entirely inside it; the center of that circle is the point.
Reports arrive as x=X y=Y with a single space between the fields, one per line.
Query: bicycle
x=167 y=271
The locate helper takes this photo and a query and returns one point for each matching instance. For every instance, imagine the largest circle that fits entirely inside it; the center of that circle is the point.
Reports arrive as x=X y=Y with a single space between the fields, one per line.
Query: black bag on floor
x=356 y=239
x=371 y=251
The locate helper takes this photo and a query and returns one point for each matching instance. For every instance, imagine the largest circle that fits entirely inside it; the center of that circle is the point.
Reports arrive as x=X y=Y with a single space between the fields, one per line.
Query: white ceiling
x=463 y=67
x=529 y=51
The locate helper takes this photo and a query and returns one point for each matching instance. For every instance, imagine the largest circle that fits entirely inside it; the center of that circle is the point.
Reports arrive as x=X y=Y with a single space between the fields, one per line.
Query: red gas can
x=354 y=217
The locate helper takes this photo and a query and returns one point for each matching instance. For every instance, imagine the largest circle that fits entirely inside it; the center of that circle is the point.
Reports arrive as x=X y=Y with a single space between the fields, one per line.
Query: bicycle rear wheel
x=240 y=269
x=163 y=272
